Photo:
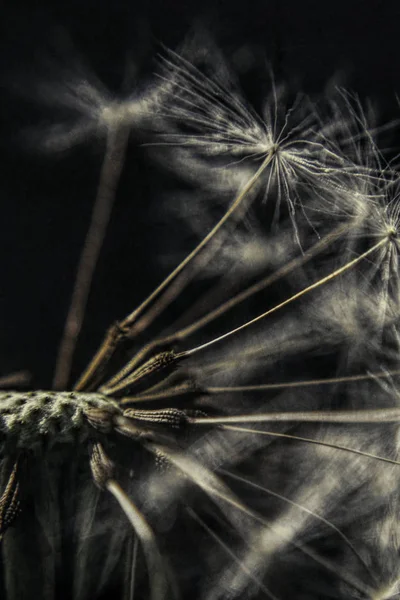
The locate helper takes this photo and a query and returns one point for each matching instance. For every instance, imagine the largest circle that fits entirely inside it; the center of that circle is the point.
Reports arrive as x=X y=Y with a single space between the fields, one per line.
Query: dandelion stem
x=132 y=552
x=107 y=348
x=117 y=140
x=188 y=387
x=296 y=384
x=146 y=535
x=379 y=415
x=307 y=440
x=19 y=378
x=303 y=292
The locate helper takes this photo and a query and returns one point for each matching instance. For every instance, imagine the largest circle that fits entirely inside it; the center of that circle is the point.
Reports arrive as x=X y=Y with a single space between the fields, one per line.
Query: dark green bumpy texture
x=29 y=418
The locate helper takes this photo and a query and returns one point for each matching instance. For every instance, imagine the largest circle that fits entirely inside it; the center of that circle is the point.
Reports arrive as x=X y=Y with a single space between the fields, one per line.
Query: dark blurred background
x=46 y=199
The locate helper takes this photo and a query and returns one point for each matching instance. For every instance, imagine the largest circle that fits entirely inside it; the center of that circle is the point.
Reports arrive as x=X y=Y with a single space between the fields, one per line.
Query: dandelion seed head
x=223 y=123
x=26 y=418
x=79 y=107
x=307 y=167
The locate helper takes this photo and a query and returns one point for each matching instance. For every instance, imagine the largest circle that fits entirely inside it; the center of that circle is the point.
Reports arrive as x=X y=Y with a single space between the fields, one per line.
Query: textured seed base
x=27 y=417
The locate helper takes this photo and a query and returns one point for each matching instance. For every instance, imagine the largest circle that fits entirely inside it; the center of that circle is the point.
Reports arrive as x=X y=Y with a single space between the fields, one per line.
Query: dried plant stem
x=379 y=415
x=303 y=292
x=297 y=384
x=117 y=140
x=107 y=348
x=307 y=440
x=188 y=387
x=133 y=549
x=15 y=379
x=146 y=535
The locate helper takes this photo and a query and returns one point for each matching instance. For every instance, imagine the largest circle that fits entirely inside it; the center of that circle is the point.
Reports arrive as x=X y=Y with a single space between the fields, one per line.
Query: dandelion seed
x=215 y=121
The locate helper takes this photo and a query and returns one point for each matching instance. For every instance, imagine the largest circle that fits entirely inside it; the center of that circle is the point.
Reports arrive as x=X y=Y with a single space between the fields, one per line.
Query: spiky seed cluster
x=29 y=417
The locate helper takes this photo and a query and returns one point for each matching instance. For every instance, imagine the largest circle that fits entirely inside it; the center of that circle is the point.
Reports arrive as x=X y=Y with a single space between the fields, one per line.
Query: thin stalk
x=188 y=387
x=19 y=378
x=303 y=292
x=379 y=415
x=298 y=438
x=153 y=557
x=297 y=384
x=133 y=550
x=116 y=143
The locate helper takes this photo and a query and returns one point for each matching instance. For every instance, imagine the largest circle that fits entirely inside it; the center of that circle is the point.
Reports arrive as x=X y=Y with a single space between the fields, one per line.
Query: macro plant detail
x=244 y=416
